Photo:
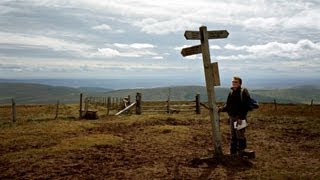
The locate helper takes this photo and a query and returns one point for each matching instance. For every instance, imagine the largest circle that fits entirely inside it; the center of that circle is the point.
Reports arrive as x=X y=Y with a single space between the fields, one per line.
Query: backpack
x=252 y=103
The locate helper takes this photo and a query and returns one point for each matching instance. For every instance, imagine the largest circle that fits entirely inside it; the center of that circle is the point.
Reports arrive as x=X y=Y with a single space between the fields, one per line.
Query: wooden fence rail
x=171 y=106
x=141 y=106
x=91 y=104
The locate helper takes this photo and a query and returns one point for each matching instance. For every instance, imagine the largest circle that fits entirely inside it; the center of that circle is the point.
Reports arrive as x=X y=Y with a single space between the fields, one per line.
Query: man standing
x=237 y=109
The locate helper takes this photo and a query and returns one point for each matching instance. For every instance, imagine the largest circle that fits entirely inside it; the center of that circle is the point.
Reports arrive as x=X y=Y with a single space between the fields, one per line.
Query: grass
x=36 y=140
x=67 y=144
x=88 y=141
x=157 y=145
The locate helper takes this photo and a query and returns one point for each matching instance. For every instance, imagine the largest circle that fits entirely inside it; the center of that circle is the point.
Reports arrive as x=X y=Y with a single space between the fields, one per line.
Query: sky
x=143 y=39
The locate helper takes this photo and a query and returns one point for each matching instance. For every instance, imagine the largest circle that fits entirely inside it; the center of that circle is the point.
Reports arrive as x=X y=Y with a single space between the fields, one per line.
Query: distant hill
x=180 y=93
x=300 y=94
x=27 y=93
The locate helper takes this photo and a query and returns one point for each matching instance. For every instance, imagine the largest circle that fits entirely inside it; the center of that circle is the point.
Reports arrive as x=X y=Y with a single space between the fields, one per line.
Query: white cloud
x=303 y=48
x=262 y=22
x=267 y=31
x=119 y=31
x=193 y=57
x=235 y=57
x=26 y=41
x=161 y=17
x=79 y=66
x=35 y=41
x=126 y=50
x=234 y=47
x=102 y=27
x=134 y=45
x=308 y=18
x=164 y=16
x=107 y=52
x=157 y=57
x=153 y=26
x=179 y=48
x=215 y=47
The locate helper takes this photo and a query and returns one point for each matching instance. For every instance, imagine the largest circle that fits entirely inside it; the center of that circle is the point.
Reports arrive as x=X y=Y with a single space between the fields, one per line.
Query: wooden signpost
x=211 y=75
x=191 y=50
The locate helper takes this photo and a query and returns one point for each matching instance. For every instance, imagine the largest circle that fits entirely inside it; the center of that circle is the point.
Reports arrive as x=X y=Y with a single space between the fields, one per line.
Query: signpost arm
x=208 y=70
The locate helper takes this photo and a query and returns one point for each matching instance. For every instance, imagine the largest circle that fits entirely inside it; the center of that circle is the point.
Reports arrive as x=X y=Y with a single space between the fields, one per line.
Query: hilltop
x=156 y=145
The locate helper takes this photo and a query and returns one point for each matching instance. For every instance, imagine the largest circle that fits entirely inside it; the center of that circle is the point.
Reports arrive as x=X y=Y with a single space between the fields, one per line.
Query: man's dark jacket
x=237 y=106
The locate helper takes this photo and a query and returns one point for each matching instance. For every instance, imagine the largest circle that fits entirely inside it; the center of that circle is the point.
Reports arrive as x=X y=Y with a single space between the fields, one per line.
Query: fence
x=15 y=112
x=125 y=105
x=107 y=106
x=170 y=106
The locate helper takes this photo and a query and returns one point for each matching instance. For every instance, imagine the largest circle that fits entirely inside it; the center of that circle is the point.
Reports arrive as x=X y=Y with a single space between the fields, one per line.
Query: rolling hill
x=27 y=93
x=181 y=93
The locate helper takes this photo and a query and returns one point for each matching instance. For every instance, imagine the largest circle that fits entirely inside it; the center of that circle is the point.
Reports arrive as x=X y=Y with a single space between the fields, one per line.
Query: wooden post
x=208 y=70
x=311 y=105
x=198 y=109
x=211 y=76
x=108 y=105
x=96 y=101
x=168 y=102
x=14 y=113
x=57 y=110
x=117 y=103
x=80 y=110
x=138 y=103
x=86 y=105
x=129 y=100
x=275 y=104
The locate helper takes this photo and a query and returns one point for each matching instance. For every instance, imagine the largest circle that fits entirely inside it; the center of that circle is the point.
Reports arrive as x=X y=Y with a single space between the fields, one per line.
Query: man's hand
x=218 y=109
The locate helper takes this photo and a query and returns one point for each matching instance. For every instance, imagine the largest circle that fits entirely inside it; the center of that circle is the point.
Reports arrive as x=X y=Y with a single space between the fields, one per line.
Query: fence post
x=198 y=110
x=117 y=103
x=108 y=105
x=138 y=103
x=95 y=102
x=14 y=115
x=311 y=105
x=80 y=110
x=275 y=104
x=129 y=100
x=57 y=110
x=86 y=105
x=168 y=102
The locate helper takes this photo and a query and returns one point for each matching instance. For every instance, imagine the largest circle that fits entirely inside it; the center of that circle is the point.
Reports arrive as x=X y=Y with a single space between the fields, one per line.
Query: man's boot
x=242 y=146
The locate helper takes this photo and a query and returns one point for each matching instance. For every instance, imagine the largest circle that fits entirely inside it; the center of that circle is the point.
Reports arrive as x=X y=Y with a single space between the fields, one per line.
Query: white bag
x=243 y=124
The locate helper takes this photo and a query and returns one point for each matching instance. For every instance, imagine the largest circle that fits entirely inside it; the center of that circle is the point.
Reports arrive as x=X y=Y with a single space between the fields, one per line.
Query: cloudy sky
x=143 y=38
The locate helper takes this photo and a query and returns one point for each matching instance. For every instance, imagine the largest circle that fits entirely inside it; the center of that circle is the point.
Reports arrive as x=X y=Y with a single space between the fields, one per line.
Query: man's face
x=235 y=83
